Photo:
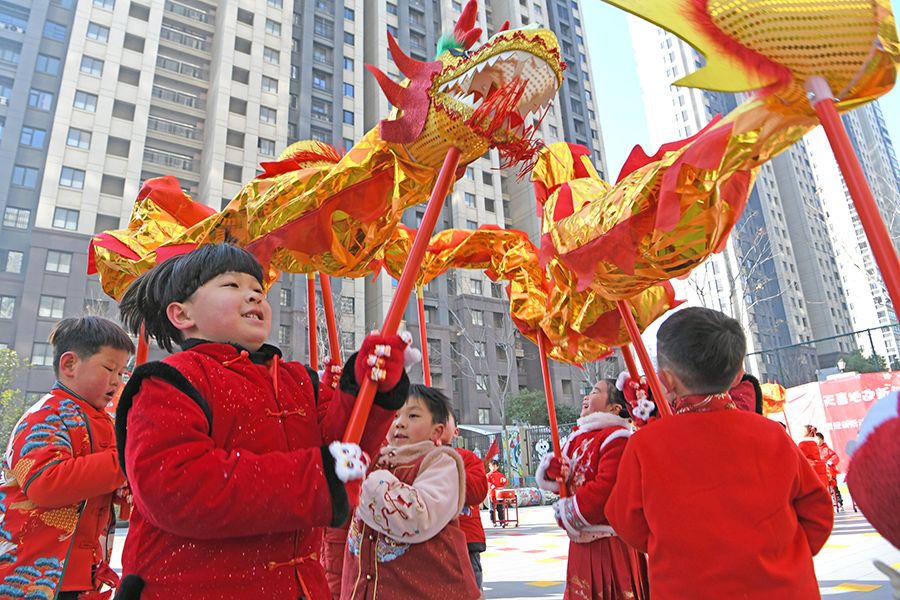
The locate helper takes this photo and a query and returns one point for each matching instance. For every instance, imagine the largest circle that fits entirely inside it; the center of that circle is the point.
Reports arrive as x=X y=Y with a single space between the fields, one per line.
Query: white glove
x=410 y=355
x=350 y=462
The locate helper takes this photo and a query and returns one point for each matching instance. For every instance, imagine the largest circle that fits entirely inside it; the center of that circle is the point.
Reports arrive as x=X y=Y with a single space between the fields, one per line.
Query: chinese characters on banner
x=837 y=406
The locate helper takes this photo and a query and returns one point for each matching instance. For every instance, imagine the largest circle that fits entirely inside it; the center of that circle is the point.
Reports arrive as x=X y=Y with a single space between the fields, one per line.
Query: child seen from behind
x=720 y=499
x=405 y=541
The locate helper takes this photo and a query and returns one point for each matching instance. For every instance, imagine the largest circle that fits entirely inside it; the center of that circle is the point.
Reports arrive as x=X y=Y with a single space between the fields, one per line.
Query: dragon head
x=475 y=100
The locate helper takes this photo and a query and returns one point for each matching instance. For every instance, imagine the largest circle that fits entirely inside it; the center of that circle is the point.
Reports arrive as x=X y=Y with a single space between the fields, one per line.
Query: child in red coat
x=60 y=472
x=496 y=481
x=831 y=460
x=723 y=502
x=231 y=454
x=601 y=566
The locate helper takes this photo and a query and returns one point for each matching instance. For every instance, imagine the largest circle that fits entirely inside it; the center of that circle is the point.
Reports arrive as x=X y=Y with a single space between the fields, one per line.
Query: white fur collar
x=601 y=420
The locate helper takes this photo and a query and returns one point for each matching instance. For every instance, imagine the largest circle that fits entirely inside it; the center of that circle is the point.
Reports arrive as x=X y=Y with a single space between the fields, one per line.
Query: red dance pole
x=143 y=348
x=311 y=310
x=649 y=372
x=426 y=368
x=404 y=287
x=822 y=100
x=629 y=362
x=327 y=301
x=551 y=409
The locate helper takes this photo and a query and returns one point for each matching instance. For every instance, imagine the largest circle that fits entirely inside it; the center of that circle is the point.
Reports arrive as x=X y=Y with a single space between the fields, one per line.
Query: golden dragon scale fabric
x=669 y=212
x=581 y=326
x=317 y=211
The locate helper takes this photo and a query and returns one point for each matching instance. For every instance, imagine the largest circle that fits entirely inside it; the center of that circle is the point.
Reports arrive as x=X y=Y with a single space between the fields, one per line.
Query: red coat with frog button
x=231 y=478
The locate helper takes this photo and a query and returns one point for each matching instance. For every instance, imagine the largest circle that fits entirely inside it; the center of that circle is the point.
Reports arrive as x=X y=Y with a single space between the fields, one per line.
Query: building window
x=16 y=218
x=73 y=178
x=348 y=90
x=25 y=176
x=98 y=32
x=470 y=200
x=286 y=297
x=471 y=225
x=269 y=84
x=52 y=307
x=268 y=115
x=348 y=64
x=348 y=117
x=7 y=307
x=349 y=14
x=78 y=138
x=567 y=386
x=457 y=6
x=348 y=305
x=348 y=340
x=284 y=335
x=470 y=173
x=554 y=132
x=107 y=4
x=476 y=287
x=15 y=259
x=273 y=27
x=39 y=99
x=33 y=137
x=271 y=55
x=85 y=101
x=489 y=205
x=58 y=262
x=42 y=355
x=392 y=8
x=54 y=31
x=349 y=38
x=64 y=218
x=478 y=317
x=275 y=3
x=266 y=147
x=47 y=64
x=232 y=172
x=91 y=66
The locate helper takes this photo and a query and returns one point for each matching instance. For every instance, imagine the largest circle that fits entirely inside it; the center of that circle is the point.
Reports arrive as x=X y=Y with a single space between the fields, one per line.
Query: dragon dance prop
x=669 y=212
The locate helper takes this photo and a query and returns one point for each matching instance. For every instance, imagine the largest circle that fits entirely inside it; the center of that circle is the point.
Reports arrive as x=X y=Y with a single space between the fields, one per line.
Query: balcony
x=183 y=68
x=184 y=39
x=183 y=10
x=170 y=95
x=169 y=160
x=174 y=128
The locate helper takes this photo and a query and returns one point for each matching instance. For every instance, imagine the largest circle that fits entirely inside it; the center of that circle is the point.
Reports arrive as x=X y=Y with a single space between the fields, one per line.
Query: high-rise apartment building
x=777 y=274
x=97 y=97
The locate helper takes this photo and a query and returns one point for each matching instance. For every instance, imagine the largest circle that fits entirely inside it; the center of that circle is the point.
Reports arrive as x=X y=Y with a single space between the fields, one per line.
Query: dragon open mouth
x=498 y=74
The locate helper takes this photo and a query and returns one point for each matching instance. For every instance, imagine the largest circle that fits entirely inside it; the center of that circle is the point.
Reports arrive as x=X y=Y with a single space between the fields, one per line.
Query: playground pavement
x=529 y=560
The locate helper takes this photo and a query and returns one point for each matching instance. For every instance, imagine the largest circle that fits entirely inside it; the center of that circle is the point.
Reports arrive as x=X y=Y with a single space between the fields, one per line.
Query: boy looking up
x=60 y=470
x=405 y=541
x=723 y=503
x=231 y=453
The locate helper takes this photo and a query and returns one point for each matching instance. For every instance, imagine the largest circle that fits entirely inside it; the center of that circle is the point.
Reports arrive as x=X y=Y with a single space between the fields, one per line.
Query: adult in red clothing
x=723 y=503
x=231 y=454
x=476 y=492
x=60 y=472
x=810 y=449
x=831 y=460
x=496 y=481
x=601 y=566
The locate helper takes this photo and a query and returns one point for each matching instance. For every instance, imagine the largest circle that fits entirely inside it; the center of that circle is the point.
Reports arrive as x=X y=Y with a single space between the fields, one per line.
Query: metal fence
x=798 y=364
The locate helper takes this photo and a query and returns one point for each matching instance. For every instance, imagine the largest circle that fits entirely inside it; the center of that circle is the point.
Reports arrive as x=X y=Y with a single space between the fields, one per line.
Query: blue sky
x=618 y=95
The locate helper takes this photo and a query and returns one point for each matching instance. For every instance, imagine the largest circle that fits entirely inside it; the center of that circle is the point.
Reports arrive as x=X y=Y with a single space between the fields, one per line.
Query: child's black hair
x=437 y=403
x=85 y=336
x=704 y=348
x=175 y=280
x=615 y=396
x=820 y=436
x=494 y=462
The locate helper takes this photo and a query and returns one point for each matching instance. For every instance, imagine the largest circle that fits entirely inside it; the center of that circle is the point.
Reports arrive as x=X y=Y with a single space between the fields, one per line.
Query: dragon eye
x=458 y=52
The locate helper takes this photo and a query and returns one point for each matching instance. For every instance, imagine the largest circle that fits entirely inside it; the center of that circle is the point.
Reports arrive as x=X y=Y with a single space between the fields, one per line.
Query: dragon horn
x=466 y=19
x=504 y=27
x=392 y=90
x=410 y=67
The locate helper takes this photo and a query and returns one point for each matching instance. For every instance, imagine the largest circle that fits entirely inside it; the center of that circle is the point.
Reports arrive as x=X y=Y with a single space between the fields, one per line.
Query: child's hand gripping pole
x=404 y=288
x=551 y=409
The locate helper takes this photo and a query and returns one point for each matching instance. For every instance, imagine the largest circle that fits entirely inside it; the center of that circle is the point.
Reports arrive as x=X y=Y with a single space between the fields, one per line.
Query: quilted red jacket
x=231 y=476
